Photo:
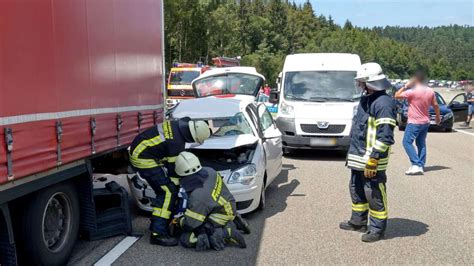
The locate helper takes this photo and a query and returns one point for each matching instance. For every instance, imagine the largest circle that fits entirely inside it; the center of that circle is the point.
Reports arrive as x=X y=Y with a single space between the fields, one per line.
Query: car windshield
x=231 y=83
x=183 y=77
x=321 y=86
x=440 y=99
x=230 y=126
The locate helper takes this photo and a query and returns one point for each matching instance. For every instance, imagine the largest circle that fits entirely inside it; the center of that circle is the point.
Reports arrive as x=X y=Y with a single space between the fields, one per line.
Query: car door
x=272 y=143
x=459 y=107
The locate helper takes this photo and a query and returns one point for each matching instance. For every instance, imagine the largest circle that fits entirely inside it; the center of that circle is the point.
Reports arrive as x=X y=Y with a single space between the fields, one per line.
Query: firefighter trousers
x=369 y=200
x=166 y=195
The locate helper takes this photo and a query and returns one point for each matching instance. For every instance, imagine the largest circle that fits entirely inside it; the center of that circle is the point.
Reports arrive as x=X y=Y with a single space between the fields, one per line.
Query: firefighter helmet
x=187 y=164
x=199 y=130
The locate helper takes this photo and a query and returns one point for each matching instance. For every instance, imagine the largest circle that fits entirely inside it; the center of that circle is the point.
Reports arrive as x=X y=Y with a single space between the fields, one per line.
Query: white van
x=317 y=100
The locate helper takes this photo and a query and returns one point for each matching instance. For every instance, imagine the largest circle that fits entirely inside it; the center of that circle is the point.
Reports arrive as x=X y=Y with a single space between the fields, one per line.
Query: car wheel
x=262 y=203
x=449 y=129
x=51 y=225
x=286 y=151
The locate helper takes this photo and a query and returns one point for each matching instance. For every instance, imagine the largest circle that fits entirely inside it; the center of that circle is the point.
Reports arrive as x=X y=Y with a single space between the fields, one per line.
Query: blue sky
x=368 y=13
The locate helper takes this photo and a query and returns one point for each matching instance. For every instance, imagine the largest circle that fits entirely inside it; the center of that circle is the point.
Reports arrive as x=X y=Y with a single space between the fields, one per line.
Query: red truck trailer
x=78 y=80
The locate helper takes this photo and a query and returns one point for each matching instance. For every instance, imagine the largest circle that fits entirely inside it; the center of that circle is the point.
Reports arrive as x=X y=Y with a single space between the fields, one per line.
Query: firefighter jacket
x=209 y=202
x=159 y=146
x=372 y=131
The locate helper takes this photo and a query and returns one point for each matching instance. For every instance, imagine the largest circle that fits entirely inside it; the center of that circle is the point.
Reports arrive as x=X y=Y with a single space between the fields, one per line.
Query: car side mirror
x=274 y=97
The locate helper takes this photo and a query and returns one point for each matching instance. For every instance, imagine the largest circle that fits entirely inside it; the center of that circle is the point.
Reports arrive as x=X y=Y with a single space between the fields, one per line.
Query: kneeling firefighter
x=153 y=154
x=208 y=220
x=371 y=138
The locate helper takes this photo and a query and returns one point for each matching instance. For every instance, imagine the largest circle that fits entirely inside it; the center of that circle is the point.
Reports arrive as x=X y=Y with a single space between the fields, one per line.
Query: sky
x=369 y=13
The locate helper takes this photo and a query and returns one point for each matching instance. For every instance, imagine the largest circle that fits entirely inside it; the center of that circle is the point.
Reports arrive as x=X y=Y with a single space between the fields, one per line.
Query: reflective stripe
x=175 y=180
x=10 y=120
x=360 y=207
x=384 y=196
x=219 y=218
x=380 y=146
x=382 y=215
x=358 y=162
x=158 y=212
x=216 y=192
x=194 y=215
x=171 y=159
x=371 y=133
x=145 y=144
x=227 y=207
x=388 y=121
x=145 y=163
x=165 y=213
x=192 y=238
x=379 y=215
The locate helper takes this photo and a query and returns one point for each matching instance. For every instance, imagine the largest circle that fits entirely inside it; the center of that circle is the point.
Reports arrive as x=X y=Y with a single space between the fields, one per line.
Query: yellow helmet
x=199 y=130
x=187 y=164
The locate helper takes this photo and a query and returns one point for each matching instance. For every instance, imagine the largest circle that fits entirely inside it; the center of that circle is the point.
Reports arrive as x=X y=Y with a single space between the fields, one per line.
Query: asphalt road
x=431 y=216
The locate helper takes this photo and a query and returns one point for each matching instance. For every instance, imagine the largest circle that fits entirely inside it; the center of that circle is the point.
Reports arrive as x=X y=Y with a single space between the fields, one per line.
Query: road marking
x=464 y=131
x=117 y=251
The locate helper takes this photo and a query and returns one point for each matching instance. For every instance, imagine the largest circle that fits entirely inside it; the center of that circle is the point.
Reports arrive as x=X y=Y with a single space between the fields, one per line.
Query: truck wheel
x=51 y=225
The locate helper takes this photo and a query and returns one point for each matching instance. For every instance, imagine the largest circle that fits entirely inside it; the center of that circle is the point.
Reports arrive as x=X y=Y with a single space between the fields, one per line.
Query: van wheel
x=51 y=225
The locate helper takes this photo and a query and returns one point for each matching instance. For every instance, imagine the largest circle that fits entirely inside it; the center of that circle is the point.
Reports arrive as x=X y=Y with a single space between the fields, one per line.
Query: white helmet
x=199 y=130
x=187 y=164
x=372 y=75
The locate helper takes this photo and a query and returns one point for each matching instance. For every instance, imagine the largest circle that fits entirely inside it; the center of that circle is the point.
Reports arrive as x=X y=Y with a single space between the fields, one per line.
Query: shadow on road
x=401 y=227
x=278 y=192
x=320 y=155
x=435 y=168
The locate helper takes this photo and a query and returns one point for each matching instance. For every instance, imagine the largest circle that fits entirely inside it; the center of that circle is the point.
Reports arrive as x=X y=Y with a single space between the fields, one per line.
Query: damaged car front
x=247 y=156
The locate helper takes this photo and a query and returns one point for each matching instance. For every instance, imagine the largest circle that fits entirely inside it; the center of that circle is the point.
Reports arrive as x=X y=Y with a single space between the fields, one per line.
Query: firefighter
x=208 y=221
x=371 y=138
x=153 y=153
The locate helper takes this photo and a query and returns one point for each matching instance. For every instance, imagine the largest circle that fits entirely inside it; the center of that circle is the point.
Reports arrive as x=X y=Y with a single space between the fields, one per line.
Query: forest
x=263 y=32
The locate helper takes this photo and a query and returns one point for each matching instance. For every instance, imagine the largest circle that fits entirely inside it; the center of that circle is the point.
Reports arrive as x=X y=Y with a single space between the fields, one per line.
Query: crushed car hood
x=225 y=142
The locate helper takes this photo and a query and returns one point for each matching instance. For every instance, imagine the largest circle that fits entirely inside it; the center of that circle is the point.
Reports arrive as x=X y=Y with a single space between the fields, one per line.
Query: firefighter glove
x=216 y=239
x=371 y=168
x=202 y=242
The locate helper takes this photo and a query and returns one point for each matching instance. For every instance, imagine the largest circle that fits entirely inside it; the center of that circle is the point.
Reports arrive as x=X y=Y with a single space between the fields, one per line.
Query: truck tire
x=51 y=225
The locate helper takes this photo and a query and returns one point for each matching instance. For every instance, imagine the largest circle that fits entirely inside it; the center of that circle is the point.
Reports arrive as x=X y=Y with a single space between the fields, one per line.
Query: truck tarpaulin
x=77 y=77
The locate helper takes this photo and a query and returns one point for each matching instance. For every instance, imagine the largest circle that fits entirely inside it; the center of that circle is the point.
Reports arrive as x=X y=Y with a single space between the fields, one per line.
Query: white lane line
x=117 y=251
x=464 y=131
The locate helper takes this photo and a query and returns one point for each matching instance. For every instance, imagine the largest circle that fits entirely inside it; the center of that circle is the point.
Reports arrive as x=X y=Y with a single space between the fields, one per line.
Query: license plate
x=322 y=142
x=433 y=122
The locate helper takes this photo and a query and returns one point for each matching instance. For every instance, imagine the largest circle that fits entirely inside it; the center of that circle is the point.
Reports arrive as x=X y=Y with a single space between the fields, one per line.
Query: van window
x=320 y=86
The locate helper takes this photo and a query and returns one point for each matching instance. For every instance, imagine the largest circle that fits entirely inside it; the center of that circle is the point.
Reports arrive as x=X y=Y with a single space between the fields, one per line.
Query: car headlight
x=448 y=116
x=287 y=109
x=244 y=175
x=354 y=110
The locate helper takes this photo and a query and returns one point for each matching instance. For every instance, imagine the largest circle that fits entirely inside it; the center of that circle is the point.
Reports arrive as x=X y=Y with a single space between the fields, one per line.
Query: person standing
x=369 y=150
x=267 y=90
x=470 y=102
x=420 y=97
